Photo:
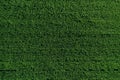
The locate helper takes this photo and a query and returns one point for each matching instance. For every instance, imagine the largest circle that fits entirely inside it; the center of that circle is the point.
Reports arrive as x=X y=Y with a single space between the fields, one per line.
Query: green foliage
x=59 y=40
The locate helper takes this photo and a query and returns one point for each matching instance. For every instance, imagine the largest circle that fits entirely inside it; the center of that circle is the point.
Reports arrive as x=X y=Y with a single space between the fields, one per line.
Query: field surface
x=59 y=39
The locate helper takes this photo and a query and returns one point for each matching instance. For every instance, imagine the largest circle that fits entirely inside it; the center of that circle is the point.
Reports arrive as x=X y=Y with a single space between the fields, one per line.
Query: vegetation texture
x=59 y=39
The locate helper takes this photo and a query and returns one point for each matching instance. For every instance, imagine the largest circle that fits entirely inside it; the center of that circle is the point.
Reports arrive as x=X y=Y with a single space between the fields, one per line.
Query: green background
x=59 y=39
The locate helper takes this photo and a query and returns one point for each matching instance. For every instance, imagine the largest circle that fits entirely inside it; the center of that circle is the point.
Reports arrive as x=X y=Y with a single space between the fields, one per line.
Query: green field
x=59 y=39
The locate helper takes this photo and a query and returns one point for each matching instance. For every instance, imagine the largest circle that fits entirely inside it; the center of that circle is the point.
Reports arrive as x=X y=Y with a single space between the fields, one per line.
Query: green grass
x=59 y=39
